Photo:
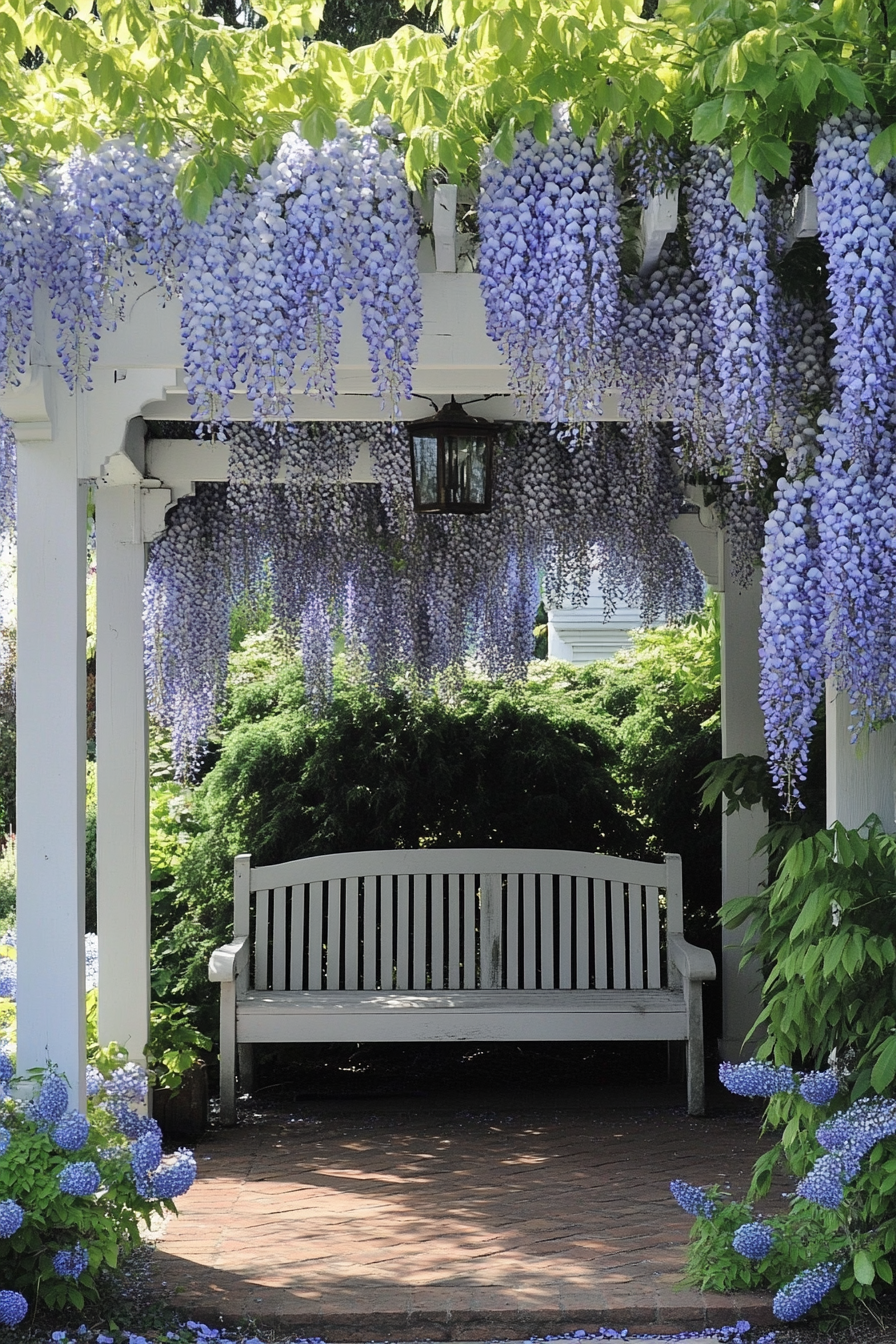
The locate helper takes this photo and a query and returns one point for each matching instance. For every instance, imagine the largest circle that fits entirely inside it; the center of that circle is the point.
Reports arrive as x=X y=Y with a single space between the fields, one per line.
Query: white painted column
x=51 y=747
x=122 y=841
x=742 y=871
x=861 y=778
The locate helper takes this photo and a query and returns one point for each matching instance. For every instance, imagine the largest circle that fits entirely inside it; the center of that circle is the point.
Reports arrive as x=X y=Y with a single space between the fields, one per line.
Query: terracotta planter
x=185 y=1114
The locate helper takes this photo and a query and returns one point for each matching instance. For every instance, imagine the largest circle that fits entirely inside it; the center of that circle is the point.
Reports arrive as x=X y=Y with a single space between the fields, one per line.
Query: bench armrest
x=694 y=963
x=228 y=962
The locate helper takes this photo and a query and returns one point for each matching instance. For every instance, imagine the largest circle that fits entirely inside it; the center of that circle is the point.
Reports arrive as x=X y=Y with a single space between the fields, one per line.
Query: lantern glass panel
x=426 y=470
x=466 y=463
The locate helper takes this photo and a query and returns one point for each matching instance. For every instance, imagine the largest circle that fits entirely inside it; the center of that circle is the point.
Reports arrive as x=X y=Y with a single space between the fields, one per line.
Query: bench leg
x=696 y=1080
x=228 y=1053
x=246 y=1054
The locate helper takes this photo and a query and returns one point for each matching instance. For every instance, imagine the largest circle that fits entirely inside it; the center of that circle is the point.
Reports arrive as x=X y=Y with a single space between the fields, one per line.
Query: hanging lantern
x=451 y=461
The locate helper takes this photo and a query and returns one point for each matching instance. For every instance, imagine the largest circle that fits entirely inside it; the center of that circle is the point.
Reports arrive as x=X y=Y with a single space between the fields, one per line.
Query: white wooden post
x=743 y=872
x=122 y=841
x=860 y=778
x=50 y=769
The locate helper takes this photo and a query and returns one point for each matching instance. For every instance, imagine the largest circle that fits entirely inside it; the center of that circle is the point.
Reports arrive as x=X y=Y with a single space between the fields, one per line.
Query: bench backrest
x=458 y=919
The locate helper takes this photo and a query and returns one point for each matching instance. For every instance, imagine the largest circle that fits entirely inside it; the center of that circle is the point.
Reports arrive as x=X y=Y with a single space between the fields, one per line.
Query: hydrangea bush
x=838 y=1237
x=76 y=1189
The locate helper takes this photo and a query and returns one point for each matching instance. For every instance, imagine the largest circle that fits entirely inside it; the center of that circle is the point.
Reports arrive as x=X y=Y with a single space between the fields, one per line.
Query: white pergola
x=68 y=442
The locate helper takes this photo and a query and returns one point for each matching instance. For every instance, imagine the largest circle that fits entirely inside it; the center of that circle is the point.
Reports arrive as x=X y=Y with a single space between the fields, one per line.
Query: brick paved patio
x=480 y=1217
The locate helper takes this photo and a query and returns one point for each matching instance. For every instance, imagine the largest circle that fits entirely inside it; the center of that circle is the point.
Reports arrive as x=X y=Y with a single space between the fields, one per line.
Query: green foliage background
x=602 y=757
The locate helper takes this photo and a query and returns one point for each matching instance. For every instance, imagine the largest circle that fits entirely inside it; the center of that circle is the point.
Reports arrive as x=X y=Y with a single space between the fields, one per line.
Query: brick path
x=485 y=1217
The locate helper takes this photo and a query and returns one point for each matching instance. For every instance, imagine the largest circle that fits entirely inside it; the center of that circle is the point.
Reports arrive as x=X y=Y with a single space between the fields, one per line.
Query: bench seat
x=465 y=1015
x=458 y=945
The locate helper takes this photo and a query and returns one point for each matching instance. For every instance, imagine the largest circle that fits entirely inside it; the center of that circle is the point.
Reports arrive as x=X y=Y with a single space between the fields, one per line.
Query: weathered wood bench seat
x=458 y=945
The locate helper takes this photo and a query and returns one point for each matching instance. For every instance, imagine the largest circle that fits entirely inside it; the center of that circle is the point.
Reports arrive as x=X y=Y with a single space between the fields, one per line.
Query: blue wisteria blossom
x=754 y=1240
x=693 y=1199
x=805 y=1291
x=549 y=262
x=756 y=1078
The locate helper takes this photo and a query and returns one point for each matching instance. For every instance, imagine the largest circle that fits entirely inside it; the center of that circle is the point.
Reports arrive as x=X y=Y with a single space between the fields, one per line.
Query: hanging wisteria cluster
x=405 y=589
x=757 y=377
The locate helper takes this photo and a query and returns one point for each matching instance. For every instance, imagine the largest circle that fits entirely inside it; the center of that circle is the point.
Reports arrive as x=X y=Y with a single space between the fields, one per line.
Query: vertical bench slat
x=371 y=938
x=420 y=903
x=351 y=933
x=402 y=955
x=635 y=940
x=278 y=970
x=454 y=900
x=315 y=934
x=437 y=915
x=334 y=932
x=512 y=953
x=617 y=920
x=242 y=865
x=469 y=962
x=262 y=935
x=652 y=902
x=583 y=935
x=297 y=938
x=491 y=931
x=565 y=899
x=387 y=922
x=529 y=931
x=546 y=885
x=601 y=971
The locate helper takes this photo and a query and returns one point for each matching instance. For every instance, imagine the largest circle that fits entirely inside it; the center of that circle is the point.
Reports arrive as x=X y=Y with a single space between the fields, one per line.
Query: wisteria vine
x=758 y=379
x=405 y=589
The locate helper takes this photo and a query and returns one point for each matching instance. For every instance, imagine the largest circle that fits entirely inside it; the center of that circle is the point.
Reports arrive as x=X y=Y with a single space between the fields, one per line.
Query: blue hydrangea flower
x=95 y=1081
x=754 y=1240
x=7 y=1068
x=128 y=1083
x=71 y=1264
x=71 y=1132
x=13 y=1307
x=692 y=1199
x=5 y=1137
x=80 y=1178
x=819 y=1088
x=9 y=978
x=146 y=1153
x=756 y=1078
x=52 y=1103
x=176 y=1176
x=808 y=1288
x=11 y=1215
x=129 y=1123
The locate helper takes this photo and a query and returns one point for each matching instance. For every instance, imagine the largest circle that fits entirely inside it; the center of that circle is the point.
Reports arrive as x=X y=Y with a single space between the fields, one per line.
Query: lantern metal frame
x=452 y=422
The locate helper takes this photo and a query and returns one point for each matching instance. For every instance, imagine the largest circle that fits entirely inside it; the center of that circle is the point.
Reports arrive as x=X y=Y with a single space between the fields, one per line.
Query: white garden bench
x=458 y=945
